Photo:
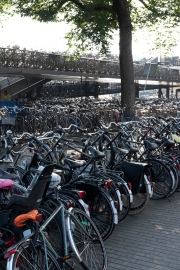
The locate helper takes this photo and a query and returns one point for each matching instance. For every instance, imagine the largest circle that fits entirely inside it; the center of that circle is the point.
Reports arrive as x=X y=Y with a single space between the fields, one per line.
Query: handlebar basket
x=8 y=121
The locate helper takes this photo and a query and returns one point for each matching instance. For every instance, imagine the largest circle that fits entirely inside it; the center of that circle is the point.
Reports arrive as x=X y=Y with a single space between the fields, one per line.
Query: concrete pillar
x=160 y=92
x=86 y=89
x=96 y=90
x=167 y=91
x=136 y=86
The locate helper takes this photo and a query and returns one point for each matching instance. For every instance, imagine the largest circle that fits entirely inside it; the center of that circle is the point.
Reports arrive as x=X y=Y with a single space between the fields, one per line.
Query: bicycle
x=82 y=244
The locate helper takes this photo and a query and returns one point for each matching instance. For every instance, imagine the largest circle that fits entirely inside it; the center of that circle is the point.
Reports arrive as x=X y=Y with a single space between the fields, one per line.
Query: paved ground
x=150 y=240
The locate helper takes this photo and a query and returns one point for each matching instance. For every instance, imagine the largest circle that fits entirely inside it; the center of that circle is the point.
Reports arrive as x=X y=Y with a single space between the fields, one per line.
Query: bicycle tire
x=90 y=249
x=53 y=229
x=174 y=172
x=25 y=259
x=140 y=201
x=102 y=210
x=43 y=150
x=86 y=122
x=71 y=121
x=162 y=178
x=107 y=150
x=125 y=198
x=125 y=192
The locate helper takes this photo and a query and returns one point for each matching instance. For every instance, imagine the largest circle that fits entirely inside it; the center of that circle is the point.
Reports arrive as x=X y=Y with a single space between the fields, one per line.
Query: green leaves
x=94 y=21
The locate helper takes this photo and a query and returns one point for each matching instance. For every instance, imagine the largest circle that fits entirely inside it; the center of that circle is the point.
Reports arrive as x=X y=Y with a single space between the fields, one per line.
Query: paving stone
x=149 y=240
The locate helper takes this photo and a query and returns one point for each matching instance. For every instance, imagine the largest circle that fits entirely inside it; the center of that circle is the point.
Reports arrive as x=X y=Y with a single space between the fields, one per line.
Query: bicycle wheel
x=86 y=242
x=140 y=201
x=27 y=259
x=43 y=150
x=125 y=198
x=53 y=229
x=125 y=193
x=162 y=178
x=71 y=121
x=86 y=122
x=102 y=209
x=107 y=148
x=174 y=173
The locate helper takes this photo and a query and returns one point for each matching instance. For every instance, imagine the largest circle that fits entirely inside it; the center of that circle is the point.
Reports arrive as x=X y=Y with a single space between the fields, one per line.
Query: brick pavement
x=149 y=240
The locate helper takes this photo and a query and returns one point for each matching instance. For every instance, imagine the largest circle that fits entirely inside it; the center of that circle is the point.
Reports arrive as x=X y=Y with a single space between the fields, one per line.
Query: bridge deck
x=33 y=63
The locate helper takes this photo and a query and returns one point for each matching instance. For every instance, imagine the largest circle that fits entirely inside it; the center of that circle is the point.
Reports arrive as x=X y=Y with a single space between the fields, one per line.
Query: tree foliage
x=5 y=7
x=94 y=21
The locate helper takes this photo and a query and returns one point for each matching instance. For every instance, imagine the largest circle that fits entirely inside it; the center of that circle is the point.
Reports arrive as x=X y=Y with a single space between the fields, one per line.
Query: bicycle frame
x=66 y=236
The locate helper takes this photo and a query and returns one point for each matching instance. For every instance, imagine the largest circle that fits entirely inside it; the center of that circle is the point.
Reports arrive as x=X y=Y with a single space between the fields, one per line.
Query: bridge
x=27 y=70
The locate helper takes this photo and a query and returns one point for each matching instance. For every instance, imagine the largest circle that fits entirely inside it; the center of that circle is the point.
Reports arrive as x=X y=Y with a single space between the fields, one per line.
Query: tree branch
x=76 y=2
x=144 y=4
x=82 y=7
x=100 y=8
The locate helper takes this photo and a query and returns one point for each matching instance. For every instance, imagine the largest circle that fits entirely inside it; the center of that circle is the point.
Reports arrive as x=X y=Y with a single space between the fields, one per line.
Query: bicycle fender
x=85 y=206
x=10 y=260
x=173 y=178
x=130 y=192
x=115 y=213
x=148 y=184
x=120 y=201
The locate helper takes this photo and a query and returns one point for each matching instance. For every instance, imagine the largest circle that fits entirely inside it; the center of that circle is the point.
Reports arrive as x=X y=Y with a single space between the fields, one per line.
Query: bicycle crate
x=8 y=121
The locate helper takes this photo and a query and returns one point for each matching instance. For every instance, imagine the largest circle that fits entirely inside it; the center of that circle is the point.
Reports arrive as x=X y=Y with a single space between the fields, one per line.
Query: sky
x=49 y=37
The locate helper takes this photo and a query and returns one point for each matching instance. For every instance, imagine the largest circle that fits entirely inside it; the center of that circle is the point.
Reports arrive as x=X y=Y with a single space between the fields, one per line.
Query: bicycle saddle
x=6 y=183
x=150 y=146
x=131 y=149
x=153 y=140
x=120 y=151
x=95 y=153
x=6 y=175
x=167 y=142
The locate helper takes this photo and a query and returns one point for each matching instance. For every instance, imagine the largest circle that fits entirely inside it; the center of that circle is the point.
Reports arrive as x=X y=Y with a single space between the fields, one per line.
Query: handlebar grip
x=50 y=134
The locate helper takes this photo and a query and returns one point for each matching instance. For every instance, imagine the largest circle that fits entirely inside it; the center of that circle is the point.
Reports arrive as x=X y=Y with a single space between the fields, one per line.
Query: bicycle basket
x=8 y=121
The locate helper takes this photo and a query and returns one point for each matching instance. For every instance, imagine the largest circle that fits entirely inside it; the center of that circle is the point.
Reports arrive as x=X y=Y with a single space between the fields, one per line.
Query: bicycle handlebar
x=110 y=124
x=61 y=130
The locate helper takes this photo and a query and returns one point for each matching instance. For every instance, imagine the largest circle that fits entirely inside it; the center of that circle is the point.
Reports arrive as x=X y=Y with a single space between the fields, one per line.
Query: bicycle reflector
x=129 y=185
x=82 y=194
x=108 y=183
x=39 y=217
x=116 y=204
x=9 y=253
x=70 y=204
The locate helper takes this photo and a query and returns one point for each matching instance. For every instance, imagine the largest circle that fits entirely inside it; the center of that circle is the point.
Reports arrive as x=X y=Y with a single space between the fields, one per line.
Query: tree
x=5 y=9
x=94 y=21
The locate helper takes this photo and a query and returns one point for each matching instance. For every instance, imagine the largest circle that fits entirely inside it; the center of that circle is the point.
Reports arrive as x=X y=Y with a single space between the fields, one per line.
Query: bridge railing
x=51 y=61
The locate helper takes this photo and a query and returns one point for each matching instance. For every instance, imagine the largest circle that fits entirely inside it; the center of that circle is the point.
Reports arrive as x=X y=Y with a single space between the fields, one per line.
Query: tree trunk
x=125 y=54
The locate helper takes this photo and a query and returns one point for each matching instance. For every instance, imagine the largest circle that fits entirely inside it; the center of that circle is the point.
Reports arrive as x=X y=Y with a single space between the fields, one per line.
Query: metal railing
x=51 y=61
